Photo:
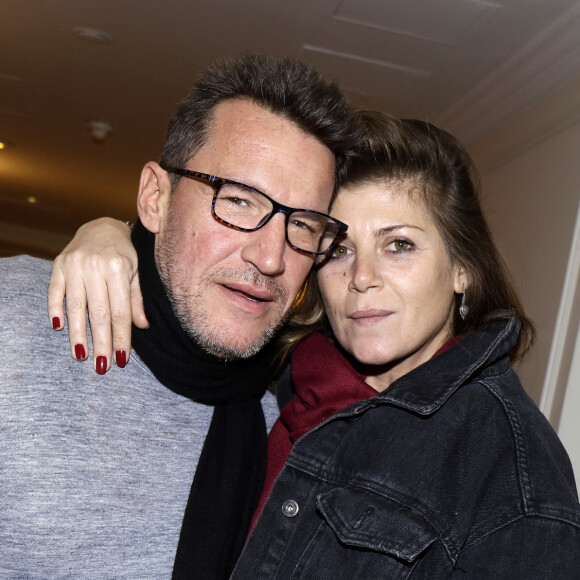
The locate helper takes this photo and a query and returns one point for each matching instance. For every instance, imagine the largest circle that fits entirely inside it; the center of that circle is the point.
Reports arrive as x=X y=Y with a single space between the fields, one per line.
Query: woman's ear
x=154 y=195
x=462 y=279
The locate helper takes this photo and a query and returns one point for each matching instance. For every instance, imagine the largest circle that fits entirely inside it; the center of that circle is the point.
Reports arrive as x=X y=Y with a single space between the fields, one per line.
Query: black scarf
x=231 y=468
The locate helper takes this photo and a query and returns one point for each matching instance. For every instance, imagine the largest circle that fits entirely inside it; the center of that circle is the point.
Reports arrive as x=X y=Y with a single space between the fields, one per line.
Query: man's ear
x=154 y=195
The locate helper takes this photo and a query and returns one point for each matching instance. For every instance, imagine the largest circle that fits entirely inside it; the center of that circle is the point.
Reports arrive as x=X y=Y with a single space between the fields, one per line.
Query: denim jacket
x=452 y=472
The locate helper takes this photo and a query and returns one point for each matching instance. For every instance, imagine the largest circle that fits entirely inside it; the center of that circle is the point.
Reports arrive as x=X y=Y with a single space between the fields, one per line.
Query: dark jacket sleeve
x=534 y=548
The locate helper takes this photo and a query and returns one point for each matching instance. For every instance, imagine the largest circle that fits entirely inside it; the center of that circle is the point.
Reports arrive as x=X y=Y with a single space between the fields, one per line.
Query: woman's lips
x=370 y=316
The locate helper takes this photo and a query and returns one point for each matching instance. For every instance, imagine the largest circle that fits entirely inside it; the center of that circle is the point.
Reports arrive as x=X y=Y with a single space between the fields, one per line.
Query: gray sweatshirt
x=95 y=471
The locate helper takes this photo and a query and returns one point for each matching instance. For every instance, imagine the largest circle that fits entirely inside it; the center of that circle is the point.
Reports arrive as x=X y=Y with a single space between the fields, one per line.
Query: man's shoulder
x=23 y=292
x=25 y=263
x=19 y=272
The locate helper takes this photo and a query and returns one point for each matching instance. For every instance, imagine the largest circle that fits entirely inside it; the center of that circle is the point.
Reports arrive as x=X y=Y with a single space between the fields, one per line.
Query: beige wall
x=530 y=170
x=531 y=201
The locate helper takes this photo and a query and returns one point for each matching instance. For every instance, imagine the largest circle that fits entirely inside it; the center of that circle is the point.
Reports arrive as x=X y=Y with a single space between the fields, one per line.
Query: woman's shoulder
x=541 y=466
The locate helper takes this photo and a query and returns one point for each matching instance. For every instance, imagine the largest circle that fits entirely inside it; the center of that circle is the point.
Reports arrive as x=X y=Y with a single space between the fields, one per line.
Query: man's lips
x=250 y=292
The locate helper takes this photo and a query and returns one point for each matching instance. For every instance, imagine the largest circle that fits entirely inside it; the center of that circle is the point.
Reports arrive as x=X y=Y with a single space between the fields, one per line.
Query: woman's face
x=389 y=287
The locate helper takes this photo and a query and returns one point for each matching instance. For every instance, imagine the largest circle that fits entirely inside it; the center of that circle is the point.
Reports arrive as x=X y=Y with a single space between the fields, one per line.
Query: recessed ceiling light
x=100 y=129
x=2 y=145
x=92 y=34
x=31 y=199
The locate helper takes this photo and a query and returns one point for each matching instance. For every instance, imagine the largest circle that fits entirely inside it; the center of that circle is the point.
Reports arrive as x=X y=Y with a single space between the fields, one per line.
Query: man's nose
x=265 y=248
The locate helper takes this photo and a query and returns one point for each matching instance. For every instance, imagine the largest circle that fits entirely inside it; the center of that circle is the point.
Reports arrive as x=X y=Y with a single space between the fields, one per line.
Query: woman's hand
x=98 y=269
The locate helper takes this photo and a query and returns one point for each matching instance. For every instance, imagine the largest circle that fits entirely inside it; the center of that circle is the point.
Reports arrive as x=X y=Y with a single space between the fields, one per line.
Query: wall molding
x=541 y=66
x=546 y=117
x=564 y=339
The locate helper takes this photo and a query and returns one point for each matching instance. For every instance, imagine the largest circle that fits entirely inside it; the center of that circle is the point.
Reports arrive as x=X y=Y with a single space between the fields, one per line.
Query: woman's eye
x=399 y=246
x=339 y=252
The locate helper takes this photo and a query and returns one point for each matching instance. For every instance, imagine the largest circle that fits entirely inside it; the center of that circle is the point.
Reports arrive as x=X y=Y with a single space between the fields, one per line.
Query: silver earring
x=463 y=308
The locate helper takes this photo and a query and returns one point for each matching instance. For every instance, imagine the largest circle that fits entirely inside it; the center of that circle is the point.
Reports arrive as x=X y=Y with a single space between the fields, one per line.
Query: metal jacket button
x=290 y=508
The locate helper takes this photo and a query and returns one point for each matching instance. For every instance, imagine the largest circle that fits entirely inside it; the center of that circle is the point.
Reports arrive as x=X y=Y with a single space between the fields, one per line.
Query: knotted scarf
x=231 y=468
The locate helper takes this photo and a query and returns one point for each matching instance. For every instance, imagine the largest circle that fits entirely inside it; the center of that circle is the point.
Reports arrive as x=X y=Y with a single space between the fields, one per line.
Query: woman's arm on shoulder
x=98 y=271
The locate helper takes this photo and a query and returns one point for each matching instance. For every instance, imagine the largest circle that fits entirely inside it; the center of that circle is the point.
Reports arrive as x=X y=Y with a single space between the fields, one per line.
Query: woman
x=409 y=448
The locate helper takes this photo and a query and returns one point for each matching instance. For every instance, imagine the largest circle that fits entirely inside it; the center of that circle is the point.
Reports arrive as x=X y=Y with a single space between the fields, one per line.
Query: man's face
x=232 y=290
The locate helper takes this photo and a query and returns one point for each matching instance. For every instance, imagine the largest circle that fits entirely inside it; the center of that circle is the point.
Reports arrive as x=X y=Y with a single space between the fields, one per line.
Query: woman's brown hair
x=447 y=181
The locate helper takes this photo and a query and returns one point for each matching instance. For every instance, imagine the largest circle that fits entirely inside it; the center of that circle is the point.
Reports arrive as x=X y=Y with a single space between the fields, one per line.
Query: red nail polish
x=101 y=365
x=55 y=323
x=120 y=358
x=80 y=352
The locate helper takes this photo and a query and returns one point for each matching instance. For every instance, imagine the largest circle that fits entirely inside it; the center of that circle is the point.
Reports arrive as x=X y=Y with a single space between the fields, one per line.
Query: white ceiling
x=469 y=65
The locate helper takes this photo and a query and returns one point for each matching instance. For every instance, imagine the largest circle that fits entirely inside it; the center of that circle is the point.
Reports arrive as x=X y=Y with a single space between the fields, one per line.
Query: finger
x=56 y=294
x=76 y=308
x=119 y=291
x=98 y=303
x=137 y=307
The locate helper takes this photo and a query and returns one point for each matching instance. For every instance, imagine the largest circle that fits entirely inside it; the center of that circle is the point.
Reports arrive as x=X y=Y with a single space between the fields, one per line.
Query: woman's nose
x=365 y=274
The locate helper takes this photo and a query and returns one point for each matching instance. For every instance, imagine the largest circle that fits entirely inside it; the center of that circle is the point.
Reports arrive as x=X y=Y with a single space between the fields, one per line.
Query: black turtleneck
x=231 y=468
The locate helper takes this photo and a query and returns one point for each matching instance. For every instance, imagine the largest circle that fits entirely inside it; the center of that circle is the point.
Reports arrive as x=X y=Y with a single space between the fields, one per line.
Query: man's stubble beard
x=193 y=313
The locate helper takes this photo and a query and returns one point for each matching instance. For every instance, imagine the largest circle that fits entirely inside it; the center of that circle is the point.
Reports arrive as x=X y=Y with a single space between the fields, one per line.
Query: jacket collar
x=426 y=388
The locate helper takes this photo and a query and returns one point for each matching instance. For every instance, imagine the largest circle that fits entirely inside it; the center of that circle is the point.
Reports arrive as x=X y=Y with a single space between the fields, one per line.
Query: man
x=156 y=471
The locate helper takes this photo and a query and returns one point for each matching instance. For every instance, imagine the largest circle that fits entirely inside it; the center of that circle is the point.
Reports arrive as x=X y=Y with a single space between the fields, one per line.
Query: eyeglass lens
x=248 y=209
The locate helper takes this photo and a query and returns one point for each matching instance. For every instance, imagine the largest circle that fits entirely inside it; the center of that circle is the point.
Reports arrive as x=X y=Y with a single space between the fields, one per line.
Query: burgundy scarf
x=324 y=383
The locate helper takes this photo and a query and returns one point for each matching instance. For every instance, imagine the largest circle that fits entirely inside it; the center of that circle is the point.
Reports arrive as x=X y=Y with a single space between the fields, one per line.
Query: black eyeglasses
x=246 y=209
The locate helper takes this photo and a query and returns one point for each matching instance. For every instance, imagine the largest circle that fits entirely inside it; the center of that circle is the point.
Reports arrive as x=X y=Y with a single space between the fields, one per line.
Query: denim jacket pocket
x=365 y=519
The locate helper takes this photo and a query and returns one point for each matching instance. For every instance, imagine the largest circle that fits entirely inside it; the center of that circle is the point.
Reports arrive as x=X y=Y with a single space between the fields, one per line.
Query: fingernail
x=55 y=323
x=120 y=358
x=80 y=352
x=101 y=365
